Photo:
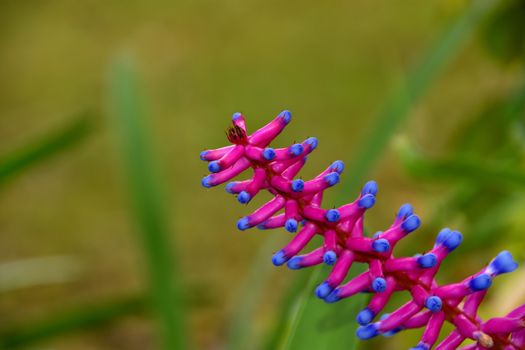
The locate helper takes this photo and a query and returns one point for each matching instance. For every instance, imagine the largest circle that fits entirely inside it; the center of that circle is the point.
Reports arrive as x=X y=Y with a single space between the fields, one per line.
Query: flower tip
x=332 y=178
x=286 y=116
x=332 y=297
x=433 y=303
x=420 y=346
x=332 y=215
x=367 y=201
x=480 y=282
x=214 y=167
x=379 y=284
x=244 y=197
x=296 y=149
x=450 y=239
x=330 y=257
x=365 y=316
x=294 y=263
x=502 y=263
x=236 y=116
x=367 y=332
x=279 y=258
x=268 y=153
x=291 y=225
x=405 y=211
x=323 y=290
x=297 y=185
x=338 y=166
x=203 y=155
x=229 y=187
x=411 y=223
x=312 y=142
x=206 y=181
x=427 y=261
x=370 y=187
x=381 y=245
x=243 y=223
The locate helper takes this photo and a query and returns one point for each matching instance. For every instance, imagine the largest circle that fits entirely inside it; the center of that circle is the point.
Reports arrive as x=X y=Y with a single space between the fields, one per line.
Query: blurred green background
x=108 y=240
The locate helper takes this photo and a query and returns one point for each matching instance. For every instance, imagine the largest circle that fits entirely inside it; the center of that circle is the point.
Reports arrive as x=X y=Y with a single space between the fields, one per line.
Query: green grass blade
x=146 y=194
x=86 y=317
x=398 y=106
x=41 y=150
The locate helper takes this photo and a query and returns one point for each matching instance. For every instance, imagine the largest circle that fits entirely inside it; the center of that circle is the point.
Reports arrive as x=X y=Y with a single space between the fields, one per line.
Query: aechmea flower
x=296 y=206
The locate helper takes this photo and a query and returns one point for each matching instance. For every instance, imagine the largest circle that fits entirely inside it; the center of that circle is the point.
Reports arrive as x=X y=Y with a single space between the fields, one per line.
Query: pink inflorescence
x=275 y=170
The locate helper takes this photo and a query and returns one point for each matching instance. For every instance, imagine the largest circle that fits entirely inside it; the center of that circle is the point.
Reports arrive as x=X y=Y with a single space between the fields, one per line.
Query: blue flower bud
x=312 y=141
x=434 y=303
x=480 y=282
x=291 y=225
x=369 y=188
x=330 y=257
x=379 y=284
x=295 y=263
x=286 y=116
x=244 y=197
x=297 y=185
x=405 y=211
x=427 y=261
x=214 y=167
x=381 y=245
x=279 y=258
x=268 y=153
x=502 y=263
x=411 y=223
x=296 y=149
x=323 y=290
x=243 y=223
x=367 y=332
x=365 y=316
x=367 y=201
x=338 y=166
x=332 y=178
x=332 y=215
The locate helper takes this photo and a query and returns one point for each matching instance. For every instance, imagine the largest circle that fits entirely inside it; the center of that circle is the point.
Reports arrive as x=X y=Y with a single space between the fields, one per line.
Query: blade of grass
x=149 y=210
x=246 y=301
x=398 y=106
x=48 y=146
x=83 y=318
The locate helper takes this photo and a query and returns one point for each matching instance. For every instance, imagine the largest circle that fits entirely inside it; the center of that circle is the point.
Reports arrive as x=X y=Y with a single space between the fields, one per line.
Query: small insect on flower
x=297 y=207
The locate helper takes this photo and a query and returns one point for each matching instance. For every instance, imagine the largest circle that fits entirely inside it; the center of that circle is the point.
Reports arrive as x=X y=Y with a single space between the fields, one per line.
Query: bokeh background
x=108 y=240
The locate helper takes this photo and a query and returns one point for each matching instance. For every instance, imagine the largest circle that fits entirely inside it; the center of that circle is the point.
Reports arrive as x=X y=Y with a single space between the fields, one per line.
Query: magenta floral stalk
x=296 y=206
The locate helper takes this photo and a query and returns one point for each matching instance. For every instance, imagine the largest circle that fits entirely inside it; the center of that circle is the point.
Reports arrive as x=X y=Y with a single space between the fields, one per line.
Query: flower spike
x=296 y=206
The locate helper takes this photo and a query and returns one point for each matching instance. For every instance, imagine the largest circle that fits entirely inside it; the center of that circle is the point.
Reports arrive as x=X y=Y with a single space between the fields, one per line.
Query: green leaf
x=40 y=150
x=146 y=191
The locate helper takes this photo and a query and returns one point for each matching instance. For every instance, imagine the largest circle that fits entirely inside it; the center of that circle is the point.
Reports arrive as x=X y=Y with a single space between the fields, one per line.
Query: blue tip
x=243 y=223
x=244 y=197
x=433 y=303
x=330 y=257
x=279 y=258
x=229 y=187
x=411 y=223
x=291 y=225
x=286 y=116
x=367 y=201
x=502 y=263
x=381 y=245
x=312 y=141
x=427 y=261
x=297 y=185
x=295 y=263
x=377 y=234
x=203 y=155
x=332 y=215
x=420 y=346
x=405 y=211
x=338 y=166
x=332 y=297
x=296 y=149
x=480 y=282
x=367 y=332
x=379 y=284
x=206 y=181
x=236 y=116
x=365 y=316
x=269 y=153
x=323 y=290
x=450 y=239
x=214 y=167
x=370 y=187
x=332 y=178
